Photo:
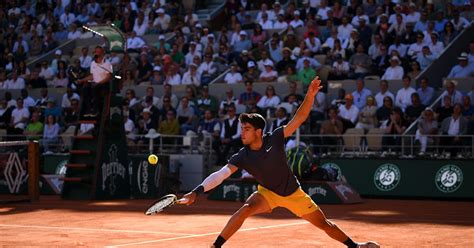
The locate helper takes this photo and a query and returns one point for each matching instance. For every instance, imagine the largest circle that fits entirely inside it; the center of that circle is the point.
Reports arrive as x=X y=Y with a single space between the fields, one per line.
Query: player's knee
x=246 y=210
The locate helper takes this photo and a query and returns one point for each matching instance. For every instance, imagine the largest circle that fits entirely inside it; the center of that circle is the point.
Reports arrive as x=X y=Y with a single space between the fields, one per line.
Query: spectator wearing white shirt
x=276 y=11
x=398 y=11
x=20 y=42
x=403 y=98
x=67 y=18
x=413 y=16
x=348 y=112
x=345 y=29
x=191 y=19
x=374 y=49
x=67 y=97
x=263 y=10
x=455 y=95
x=415 y=49
x=265 y=23
x=297 y=22
x=141 y=24
x=425 y=92
x=269 y=100
x=85 y=59
x=436 y=46
x=192 y=76
x=384 y=92
x=19 y=119
x=27 y=100
x=173 y=77
x=135 y=43
x=189 y=57
x=233 y=76
x=463 y=69
x=422 y=24
x=459 y=22
x=280 y=23
x=398 y=46
x=360 y=94
x=313 y=43
x=73 y=32
x=93 y=8
x=340 y=69
x=323 y=10
x=15 y=83
x=264 y=58
x=307 y=56
x=359 y=15
x=208 y=69
x=268 y=75
x=395 y=71
x=162 y=21
x=229 y=100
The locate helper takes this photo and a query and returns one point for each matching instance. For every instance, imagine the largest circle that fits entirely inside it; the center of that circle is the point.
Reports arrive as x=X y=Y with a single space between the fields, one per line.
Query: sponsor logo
x=387 y=177
x=335 y=167
x=111 y=170
x=142 y=177
x=449 y=178
x=343 y=189
x=15 y=174
x=317 y=190
x=231 y=188
x=269 y=148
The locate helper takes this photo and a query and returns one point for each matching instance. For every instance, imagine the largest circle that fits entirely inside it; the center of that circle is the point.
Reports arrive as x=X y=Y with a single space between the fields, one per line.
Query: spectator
x=34 y=129
x=207 y=69
x=134 y=43
x=173 y=77
x=426 y=58
x=52 y=109
x=71 y=114
x=169 y=126
x=67 y=97
x=394 y=128
x=249 y=95
x=427 y=127
x=233 y=76
x=192 y=76
x=61 y=34
x=413 y=111
x=425 y=92
x=129 y=79
x=307 y=56
x=471 y=95
x=459 y=22
x=50 y=133
x=292 y=90
x=140 y=26
x=280 y=120
x=156 y=77
x=186 y=116
x=348 y=112
x=296 y=22
x=192 y=53
x=467 y=108
x=85 y=59
x=383 y=112
x=28 y=101
x=61 y=80
x=268 y=75
x=67 y=18
x=415 y=70
x=73 y=33
x=162 y=21
x=228 y=100
x=453 y=127
x=360 y=63
x=379 y=97
x=264 y=24
x=422 y=24
x=15 y=82
x=345 y=29
x=264 y=58
x=448 y=34
x=306 y=74
x=280 y=23
x=43 y=100
x=403 y=98
x=242 y=44
x=381 y=62
x=361 y=94
x=455 y=95
x=395 y=71
x=470 y=56
x=313 y=43
x=331 y=129
x=413 y=16
x=210 y=126
x=440 y=21
x=285 y=62
x=19 y=119
x=275 y=50
x=229 y=137
x=398 y=46
x=270 y=100
x=206 y=101
x=144 y=69
x=415 y=49
x=445 y=110
x=463 y=69
x=168 y=92
x=368 y=115
x=252 y=73
x=162 y=44
x=436 y=46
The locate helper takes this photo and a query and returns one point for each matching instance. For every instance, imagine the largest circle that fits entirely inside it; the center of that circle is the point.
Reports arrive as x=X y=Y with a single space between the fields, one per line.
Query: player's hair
x=254 y=119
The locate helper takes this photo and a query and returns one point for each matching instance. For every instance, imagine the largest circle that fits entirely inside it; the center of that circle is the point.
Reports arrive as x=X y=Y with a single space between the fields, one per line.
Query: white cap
x=161 y=37
x=268 y=63
x=250 y=64
x=210 y=36
x=297 y=12
x=156 y=68
x=243 y=33
x=58 y=52
x=395 y=58
x=193 y=65
x=160 y=11
x=198 y=25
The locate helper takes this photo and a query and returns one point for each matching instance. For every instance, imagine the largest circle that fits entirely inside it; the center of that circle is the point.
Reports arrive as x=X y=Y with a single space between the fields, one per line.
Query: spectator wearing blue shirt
x=360 y=94
x=463 y=69
x=422 y=24
x=467 y=108
x=51 y=109
x=425 y=58
x=50 y=133
x=61 y=34
x=440 y=22
x=243 y=43
x=425 y=92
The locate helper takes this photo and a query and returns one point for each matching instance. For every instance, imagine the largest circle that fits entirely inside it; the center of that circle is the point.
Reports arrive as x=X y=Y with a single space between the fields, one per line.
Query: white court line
x=93 y=229
x=208 y=234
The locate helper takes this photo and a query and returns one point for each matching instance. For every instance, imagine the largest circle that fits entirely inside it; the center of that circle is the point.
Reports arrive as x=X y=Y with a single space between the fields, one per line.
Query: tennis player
x=264 y=157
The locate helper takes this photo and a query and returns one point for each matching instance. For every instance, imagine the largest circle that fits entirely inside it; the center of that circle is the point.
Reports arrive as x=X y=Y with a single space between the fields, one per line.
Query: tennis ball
x=152 y=159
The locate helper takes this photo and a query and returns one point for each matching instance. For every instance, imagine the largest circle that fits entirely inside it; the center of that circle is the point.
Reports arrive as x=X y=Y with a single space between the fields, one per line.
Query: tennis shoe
x=368 y=244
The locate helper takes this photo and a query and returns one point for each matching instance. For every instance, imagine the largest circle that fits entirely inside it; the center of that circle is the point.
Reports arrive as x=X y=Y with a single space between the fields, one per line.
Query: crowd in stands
x=262 y=41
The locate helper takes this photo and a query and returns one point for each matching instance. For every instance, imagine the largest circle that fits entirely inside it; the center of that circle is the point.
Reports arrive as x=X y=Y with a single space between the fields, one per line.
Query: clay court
x=53 y=222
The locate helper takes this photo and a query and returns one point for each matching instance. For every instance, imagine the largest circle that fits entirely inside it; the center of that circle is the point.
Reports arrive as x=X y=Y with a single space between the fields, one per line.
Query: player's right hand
x=188 y=198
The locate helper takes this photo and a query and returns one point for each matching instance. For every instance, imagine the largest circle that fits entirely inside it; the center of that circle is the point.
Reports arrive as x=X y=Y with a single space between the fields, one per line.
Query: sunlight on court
x=378 y=213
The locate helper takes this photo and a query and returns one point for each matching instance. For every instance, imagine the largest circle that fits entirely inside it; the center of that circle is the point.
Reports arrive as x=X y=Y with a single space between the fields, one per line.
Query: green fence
x=408 y=178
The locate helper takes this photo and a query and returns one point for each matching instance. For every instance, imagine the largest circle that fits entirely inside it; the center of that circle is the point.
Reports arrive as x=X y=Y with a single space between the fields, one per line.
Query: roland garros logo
x=448 y=178
x=387 y=177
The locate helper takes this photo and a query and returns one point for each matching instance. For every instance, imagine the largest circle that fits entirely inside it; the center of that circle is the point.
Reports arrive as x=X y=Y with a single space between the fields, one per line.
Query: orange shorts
x=299 y=203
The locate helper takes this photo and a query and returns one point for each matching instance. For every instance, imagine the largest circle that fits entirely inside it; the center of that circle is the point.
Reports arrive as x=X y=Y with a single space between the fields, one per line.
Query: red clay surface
x=53 y=222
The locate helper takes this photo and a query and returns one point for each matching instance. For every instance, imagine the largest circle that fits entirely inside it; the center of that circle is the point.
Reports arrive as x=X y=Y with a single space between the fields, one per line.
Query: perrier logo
x=448 y=178
x=387 y=177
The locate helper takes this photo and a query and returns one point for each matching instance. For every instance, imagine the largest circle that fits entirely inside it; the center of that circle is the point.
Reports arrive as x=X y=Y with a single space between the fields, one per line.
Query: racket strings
x=159 y=206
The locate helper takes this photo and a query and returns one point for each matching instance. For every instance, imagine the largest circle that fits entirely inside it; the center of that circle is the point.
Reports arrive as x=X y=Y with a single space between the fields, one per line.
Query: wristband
x=198 y=190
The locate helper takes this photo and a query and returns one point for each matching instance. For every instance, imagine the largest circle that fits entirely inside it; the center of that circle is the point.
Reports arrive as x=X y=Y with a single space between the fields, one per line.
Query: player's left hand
x=315 y=86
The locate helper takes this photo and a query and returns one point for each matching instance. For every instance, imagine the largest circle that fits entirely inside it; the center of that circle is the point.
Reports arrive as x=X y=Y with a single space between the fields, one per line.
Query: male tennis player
x=264 y=157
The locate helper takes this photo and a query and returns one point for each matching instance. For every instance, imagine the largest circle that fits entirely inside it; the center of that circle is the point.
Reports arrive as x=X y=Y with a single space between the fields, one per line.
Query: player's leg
x=318 y=219
x=255 y=204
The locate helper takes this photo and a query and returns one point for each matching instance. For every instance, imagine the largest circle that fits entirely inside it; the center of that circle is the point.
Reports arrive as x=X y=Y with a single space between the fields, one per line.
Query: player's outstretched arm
x=303 y=111
x=209 y=183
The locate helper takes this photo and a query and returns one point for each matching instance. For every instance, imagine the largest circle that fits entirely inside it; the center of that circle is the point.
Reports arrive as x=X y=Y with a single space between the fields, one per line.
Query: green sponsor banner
x=410 y=178
x=112 y=34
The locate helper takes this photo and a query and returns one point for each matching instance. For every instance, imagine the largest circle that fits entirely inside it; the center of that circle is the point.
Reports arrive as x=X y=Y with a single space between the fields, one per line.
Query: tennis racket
x=162 y=203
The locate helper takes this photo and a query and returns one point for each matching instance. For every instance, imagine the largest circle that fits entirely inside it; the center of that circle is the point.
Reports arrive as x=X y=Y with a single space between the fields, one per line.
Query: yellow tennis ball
x=153 y=159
